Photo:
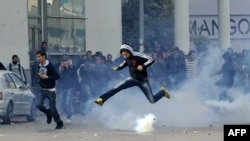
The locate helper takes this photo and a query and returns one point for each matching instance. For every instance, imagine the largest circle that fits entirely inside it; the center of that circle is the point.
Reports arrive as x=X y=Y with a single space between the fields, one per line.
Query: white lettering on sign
x=236 y=132
x=208 y=26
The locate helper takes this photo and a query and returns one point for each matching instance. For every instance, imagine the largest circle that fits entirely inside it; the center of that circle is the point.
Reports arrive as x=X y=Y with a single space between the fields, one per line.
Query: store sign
x=208 y=26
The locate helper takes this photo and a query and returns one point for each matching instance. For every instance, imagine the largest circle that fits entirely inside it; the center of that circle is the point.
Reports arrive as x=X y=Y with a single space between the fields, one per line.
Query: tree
x=200 y=42
x=158 y=24
x=130 y=23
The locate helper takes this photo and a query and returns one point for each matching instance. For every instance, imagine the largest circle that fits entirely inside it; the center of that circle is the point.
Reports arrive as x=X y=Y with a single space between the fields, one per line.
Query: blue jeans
x=51 y=96
x=66 y=97
x=130 y=82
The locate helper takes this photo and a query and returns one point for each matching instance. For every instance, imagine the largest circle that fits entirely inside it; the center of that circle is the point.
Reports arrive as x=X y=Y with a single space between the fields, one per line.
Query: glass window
x=66 y=35
x=69 y=8
x=34 y=21
x=79 y=36
x=17 y=80
x=2 y=83
x=9 y=81
x=79 y=7
x=34 y=7
x=66 y=26
x=54 y=32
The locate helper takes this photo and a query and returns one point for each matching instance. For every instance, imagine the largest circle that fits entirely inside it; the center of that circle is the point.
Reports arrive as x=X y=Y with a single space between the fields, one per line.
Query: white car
x=16 y=98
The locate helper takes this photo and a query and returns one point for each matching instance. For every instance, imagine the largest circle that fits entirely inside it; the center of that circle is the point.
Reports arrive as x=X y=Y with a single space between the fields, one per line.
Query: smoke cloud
x=195 y=104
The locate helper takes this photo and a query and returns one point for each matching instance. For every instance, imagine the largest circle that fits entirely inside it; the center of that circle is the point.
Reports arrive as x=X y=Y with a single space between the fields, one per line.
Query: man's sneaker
x=99 y=101
x=166 y=94
x=49 y=117
x=59 y=125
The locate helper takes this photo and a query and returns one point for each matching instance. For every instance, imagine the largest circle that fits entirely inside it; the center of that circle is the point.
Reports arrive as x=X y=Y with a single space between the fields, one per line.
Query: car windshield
x=1 y=82
x=17 y=80
x=2 y=66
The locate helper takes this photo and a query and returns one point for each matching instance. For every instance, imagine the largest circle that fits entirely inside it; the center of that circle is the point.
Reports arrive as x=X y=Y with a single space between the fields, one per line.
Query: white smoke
x=237 y=111
x=145 y=124
x=195 y=104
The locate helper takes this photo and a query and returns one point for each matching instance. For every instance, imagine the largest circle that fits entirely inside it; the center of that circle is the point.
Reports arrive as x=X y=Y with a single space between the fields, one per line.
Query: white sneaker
x=68 y=121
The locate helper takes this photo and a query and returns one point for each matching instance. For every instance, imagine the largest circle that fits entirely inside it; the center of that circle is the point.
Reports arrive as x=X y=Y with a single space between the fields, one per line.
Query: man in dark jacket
x=66 y=86
x=226 y=82
x=48 y=76
x=137 y=64
x=175 y=69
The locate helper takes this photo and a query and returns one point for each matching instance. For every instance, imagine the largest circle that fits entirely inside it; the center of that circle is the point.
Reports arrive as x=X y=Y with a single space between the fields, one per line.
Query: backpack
x=19 y=69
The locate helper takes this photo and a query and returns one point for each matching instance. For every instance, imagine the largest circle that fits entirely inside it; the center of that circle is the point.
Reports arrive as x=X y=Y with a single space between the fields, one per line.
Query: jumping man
x=137 y=64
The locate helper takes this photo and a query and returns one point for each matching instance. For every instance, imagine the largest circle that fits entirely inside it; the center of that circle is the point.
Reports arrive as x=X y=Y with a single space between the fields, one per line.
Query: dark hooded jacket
x=52 y=74
x=228 y=72
x=135 y=59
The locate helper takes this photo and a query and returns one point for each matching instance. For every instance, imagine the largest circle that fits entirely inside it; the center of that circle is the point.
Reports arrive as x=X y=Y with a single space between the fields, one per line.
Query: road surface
x=78 y=130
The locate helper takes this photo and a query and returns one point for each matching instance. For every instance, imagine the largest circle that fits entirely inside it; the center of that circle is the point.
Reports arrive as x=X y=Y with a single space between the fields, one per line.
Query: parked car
x=2 y=67
x=16 y=98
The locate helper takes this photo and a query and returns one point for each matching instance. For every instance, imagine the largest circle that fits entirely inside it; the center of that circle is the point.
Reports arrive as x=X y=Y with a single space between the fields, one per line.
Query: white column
x=181 y=25
x=103 y=26
x=224 y=23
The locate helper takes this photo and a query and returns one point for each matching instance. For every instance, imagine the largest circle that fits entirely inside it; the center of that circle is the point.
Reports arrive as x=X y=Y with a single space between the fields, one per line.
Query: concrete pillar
x=103 y=26
x=224 y=23
x=181 y=25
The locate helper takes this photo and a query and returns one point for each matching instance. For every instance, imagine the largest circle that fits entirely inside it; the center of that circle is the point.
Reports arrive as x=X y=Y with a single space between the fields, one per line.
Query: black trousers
x=51 y=96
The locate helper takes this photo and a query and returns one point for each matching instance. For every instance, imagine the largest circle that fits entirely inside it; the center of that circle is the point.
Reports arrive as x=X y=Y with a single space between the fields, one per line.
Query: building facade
x=69 y=26
x=203 y=16
x=74 y=26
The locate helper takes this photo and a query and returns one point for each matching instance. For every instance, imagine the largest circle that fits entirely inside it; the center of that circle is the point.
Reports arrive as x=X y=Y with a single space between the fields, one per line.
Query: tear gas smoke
x=190 y=106
x=145 y=123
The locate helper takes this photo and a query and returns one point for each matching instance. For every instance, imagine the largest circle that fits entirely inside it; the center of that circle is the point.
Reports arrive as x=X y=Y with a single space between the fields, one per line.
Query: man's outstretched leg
x=166 y=93
x=129 y=82
x=146 y=88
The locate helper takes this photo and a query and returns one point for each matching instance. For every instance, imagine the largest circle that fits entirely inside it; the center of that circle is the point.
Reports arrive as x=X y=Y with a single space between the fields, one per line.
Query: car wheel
x=9 y=114
x=33 y=112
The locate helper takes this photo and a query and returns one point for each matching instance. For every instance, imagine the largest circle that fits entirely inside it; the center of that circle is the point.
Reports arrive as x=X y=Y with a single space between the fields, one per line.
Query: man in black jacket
x=48 y=76
x=66 y=86
x=137 y=64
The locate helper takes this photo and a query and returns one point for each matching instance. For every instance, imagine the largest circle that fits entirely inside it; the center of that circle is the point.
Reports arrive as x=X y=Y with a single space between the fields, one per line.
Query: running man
x=48 y=77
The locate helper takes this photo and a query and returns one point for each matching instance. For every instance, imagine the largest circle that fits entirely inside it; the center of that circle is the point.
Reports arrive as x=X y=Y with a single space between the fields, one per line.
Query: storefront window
x=72 y=8
x=34 y=21
x=66 y=35
x=34 y=8
x=66 y=26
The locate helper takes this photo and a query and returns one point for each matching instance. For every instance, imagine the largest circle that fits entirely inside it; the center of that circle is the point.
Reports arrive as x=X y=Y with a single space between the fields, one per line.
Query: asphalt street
x=78 y=130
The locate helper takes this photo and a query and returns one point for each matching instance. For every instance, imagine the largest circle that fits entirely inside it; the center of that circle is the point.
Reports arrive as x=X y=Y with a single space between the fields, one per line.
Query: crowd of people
x=93 y=74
